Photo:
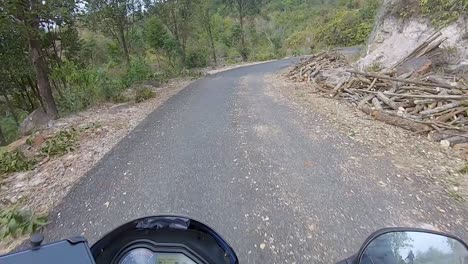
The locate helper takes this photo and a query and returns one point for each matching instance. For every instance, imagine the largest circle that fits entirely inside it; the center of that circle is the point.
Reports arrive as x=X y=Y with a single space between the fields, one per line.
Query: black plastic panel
x=65 y=251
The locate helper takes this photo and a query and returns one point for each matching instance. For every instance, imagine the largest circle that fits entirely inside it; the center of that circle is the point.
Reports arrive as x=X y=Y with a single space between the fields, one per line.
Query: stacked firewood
x=428 y=103
x=309 y=69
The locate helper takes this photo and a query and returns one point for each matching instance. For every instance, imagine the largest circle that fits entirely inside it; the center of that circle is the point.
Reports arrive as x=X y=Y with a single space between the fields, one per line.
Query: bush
x=443 y=12
x=9 y=128
x=63 y=142
x=84 y=86
x=197 y=59
x=15 y=222
x=143 y=94
x=345 y=28
x=138 y=71
x=14 y=161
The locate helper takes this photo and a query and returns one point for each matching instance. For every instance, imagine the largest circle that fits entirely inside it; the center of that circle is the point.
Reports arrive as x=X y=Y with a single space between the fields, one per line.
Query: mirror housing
x=405 y=245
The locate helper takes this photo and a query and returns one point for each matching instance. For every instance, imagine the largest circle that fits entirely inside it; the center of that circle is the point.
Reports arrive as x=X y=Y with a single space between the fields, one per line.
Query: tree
x=244 y=8
x=206 y=17
x=178 y=16
x=114 y=18
x=28 y=18
x=159 y=38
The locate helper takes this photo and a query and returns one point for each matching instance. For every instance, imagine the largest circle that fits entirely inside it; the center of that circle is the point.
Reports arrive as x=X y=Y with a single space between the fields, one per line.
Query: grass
x=456 y=196
x=464 y=170
x=143 y=94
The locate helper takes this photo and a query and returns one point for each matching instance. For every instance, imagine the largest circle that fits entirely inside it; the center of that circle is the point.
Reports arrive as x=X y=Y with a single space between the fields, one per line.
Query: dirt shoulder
x=429 y=164
x=100 y=129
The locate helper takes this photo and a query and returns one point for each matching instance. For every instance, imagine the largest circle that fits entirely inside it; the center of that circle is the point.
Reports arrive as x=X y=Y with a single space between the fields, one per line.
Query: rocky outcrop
x=393 y=38
x=38 y=119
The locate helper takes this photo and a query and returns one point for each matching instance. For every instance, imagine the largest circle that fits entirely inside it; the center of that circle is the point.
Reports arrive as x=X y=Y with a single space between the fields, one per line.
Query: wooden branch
x=372 y=84
x=395 y=120
x=455 y=140
x=387 y=100
x=448 y=116
x=365 y=100
x=377 y=104
x=439 y=109
x=437 y=97
x=384 y=77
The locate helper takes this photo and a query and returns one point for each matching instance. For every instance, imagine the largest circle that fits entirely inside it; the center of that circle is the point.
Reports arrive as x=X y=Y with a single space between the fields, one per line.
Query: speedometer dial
x=139 y=256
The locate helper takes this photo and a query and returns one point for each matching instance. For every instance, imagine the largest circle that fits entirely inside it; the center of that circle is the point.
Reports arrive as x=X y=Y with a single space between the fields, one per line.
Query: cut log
x=377 y=104
x=437 y=79
x=460 y=146
x=424 y=101
x=384 y=77
x=423 y=96
x=439 y=109
x=387 y=100
x=372 y=84
x=448 y=116
x=337 y=88
x=455 y=140
x=365 y=100
x=395 y=120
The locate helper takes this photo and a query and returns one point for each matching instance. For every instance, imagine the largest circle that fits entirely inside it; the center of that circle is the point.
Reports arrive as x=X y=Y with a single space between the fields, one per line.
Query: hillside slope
x=403 y=25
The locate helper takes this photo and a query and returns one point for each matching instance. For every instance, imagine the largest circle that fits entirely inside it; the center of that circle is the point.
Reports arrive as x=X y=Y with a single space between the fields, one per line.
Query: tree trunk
x=2 y=138
x=243 y=49
x=41 y=68
x=210 y=34
x=35 y=91
x=124 y=44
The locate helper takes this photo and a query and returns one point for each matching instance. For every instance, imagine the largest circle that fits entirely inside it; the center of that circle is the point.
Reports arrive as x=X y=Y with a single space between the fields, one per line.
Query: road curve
x=225 y=152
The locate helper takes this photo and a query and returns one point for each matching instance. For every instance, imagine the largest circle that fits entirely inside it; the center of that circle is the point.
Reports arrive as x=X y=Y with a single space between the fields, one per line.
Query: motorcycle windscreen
x=162 y=238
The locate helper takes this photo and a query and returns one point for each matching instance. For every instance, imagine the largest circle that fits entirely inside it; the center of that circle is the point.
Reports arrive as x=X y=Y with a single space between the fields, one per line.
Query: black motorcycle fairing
x=180 y=234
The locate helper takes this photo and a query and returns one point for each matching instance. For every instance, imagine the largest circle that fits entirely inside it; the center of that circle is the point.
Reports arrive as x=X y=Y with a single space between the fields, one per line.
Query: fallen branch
x=384 y=77
x=439 y=109
x=395 y=120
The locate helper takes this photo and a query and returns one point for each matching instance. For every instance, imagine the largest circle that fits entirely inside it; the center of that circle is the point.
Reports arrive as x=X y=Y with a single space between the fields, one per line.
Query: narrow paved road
x=227 y=153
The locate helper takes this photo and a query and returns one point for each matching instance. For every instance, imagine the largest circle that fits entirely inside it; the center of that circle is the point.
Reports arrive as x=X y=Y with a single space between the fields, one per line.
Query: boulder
x=38 y=119
x=421 y=66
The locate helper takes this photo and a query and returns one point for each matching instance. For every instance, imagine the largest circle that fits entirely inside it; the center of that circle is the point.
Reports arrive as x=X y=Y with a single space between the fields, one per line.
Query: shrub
x=138 y=71
x=63 y=142
x=144 y=93
x=197 y=59
x=14 y=161
x=9 y=128
x=346 y=28
x=14 y=222
x=84 y=86
x=443 y=12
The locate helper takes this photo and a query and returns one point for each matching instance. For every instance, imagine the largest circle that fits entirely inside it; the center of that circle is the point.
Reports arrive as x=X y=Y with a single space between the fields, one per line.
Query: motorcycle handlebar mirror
x=410 y=246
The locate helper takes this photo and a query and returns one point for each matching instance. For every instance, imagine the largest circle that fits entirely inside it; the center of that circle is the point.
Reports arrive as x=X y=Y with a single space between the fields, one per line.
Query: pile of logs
x=308 y=70
x=430 y=104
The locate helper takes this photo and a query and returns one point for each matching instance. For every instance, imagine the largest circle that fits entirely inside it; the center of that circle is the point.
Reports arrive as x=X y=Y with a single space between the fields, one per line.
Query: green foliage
x=16 y=222
x=159 y=38
x=143 y=94
x=138 y=71
x=197 y=59
x=443 y=12
x=14 y=161
x=61 y=143
x=345 y=28
x=9 y=128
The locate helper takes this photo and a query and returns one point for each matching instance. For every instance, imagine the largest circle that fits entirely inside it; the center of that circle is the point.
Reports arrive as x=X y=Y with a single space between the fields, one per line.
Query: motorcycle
x=181 y=240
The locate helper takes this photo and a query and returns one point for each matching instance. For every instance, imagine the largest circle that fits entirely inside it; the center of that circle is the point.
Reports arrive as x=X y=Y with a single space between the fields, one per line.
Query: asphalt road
x=225 y=152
